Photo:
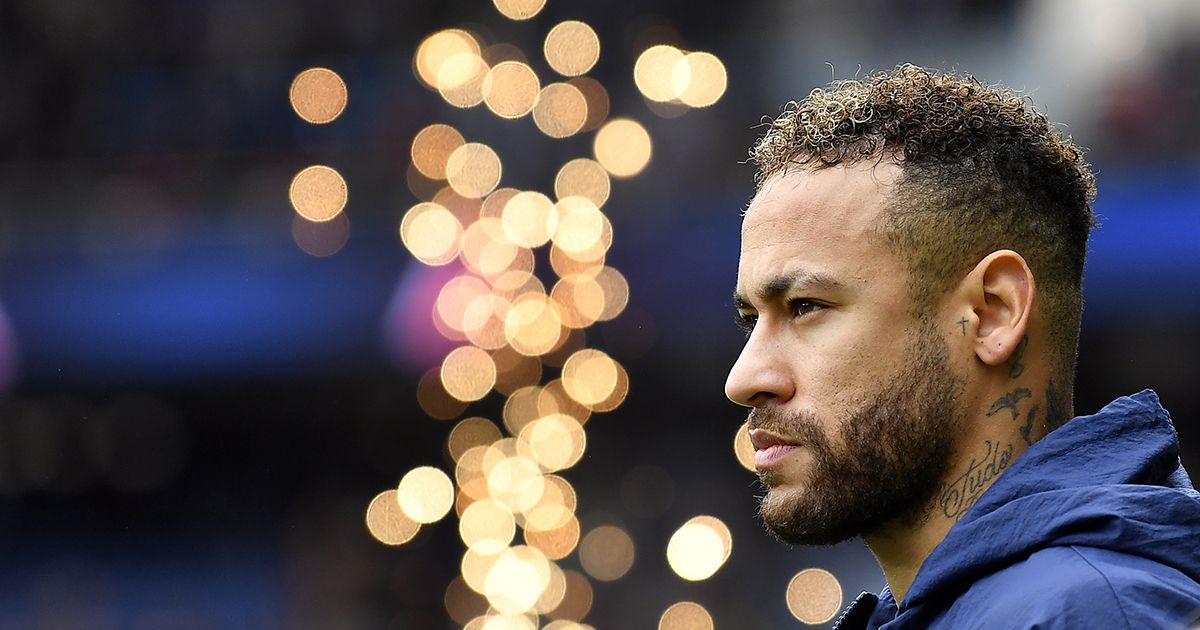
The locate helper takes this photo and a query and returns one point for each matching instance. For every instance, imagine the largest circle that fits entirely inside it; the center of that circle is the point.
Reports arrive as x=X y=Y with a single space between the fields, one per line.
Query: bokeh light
x=577 y=602
x=318 y=193
x=597 y=101
x=606 y=553
x=469 y=433
x=468 y=373
x=515 y=370
x=742 y=448
x=581 y=226
x=555 y=442
x=654 y=72
x=318 y=95
x=685 y=616
x=435 y=50
x=431 y=149
x=387 y=522
x=583 y=177
x=616 y=292
x=519 y=9
x=517 y=579
x=814 y=596
x=698 y=548
x=431 y=233
x=473 y=170
x=515 y=482
x=590 y=376
x=561 y=110
x=433 y=398
x=529 y=218
x=556 y=543
x=572 y=48
x=511 y=89
x=460 y=79
x=487 y=527
x=532 y=326
x=699 y=79
x=462 y=603
x=622 y=146
x=426 y=494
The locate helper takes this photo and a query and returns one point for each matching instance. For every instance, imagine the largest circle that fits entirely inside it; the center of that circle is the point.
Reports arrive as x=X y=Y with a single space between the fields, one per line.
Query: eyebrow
x=782 y=283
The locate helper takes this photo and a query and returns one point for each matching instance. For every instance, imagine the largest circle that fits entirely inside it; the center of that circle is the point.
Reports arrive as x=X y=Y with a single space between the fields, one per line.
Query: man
x=910 y=284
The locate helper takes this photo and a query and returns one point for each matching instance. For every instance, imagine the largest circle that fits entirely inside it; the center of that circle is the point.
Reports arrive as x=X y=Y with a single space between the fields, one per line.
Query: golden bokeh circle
x=318 y=95
x=487 y=527
x=606 y=553
x=469 y=433
x=561 y=110
x=814 y=596
x=431 y=233
x=460 y=79
x=434 y=400
x=431 y=148
x=590 y=376
x=616 y=292
x=571 y=48
x=578 y=599
x=529 y=218
x=583 y=177
x=623 y=147
x=487 y=250
x=474 y=568
x=597 y=101
x=685 y=616
x=511 y=89
x=468 y=373
x=425 y=494
x=517 y=579
x=473 y=170
x=580 y=298
x=699 y=548
x=519 y=9
x=555 y=442
x=515 y=482
x=557 y=543
x=654 y=72
x=699 y=79
x=743 y=449
x=318 y=193
x=580 y=227
x=532 y=326
x=462 y=603
x=387 y=522
x=434 y=50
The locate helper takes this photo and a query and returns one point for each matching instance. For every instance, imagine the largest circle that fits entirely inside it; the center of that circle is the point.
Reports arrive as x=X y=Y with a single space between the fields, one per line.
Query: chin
x=790 y=515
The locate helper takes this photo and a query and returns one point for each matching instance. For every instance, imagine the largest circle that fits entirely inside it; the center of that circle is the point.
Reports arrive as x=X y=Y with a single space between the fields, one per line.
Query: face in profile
x=853 y=401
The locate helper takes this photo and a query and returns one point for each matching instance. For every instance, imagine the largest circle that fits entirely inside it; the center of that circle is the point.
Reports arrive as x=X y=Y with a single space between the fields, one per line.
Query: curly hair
x=981 y=170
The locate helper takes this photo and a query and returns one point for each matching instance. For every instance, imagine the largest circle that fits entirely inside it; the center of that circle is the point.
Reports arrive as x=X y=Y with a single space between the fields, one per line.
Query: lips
x=770 y=448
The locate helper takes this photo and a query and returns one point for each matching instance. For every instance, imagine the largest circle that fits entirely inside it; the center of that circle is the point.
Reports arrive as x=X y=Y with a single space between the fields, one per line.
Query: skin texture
x=890 y=408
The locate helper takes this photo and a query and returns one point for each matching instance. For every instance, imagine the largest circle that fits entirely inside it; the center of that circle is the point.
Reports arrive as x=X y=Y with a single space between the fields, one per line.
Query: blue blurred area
x=213 y=311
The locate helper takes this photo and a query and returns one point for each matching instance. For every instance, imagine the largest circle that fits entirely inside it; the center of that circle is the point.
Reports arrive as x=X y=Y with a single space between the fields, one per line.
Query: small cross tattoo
x=963 y=322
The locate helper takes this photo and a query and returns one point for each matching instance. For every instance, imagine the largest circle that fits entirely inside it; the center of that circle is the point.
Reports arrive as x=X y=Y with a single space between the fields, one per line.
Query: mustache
x=801 y=426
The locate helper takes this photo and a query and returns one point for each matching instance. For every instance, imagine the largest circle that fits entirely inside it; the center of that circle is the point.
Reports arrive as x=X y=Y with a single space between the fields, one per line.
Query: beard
x=894 y=452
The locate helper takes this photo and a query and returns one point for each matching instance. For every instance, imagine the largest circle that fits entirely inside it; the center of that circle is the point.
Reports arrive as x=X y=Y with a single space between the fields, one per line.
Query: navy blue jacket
x=1096 y=526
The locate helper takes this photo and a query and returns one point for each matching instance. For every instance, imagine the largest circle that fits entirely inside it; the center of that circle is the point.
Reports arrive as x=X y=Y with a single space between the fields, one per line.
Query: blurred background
x=203 y=391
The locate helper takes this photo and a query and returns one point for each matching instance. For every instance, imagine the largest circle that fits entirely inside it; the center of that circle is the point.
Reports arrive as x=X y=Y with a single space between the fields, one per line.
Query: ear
x=1001 y=293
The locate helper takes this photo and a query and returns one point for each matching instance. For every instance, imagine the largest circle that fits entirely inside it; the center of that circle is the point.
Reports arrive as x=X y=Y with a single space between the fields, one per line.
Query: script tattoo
x=1009 y=401
x=963 y=492
x=1015 y=367
x=1027 y=430
x=963 y=322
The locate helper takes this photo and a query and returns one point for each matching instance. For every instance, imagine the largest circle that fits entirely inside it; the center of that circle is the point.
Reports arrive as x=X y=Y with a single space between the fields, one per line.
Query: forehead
x=821 y=220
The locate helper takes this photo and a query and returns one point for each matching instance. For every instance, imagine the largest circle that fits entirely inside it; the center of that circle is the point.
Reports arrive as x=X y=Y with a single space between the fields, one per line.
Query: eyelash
x=799 y=307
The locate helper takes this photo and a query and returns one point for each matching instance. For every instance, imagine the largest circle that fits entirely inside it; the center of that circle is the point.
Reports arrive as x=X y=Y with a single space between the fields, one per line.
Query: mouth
x=770 y=448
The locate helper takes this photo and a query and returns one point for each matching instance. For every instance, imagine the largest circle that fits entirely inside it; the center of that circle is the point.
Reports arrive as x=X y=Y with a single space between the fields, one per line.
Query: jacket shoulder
x=1078 y=587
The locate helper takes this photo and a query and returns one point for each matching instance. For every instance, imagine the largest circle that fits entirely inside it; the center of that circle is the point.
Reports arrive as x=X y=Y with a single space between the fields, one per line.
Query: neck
x=1008 y=418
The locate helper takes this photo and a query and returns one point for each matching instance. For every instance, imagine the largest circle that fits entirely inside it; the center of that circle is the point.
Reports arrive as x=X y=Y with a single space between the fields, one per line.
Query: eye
x=745 y=321
x=801 y=307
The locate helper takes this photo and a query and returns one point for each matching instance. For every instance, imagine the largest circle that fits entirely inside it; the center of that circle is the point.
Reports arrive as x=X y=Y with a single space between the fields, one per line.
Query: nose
x=761 y=374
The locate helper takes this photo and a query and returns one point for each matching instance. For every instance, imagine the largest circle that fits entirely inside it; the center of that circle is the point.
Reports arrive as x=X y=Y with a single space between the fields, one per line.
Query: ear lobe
x=1002 y=300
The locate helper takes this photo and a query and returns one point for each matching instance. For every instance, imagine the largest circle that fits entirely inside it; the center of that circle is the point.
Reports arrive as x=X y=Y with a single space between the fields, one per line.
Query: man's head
x=876 y=198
